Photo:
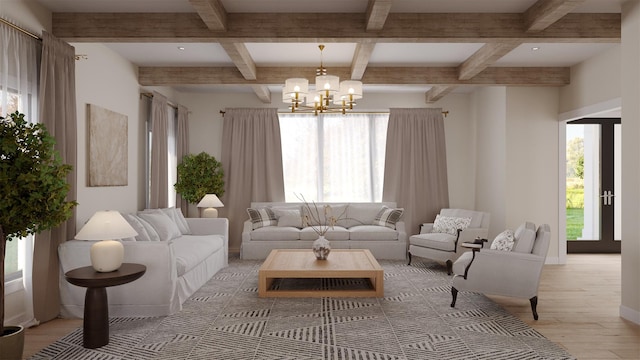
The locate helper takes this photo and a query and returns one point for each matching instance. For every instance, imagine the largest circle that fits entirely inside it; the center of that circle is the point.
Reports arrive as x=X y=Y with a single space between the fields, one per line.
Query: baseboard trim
x=630 y=314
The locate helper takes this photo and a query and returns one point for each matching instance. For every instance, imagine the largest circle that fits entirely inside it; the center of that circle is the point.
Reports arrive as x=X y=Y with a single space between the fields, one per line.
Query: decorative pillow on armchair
x=262 y=217
x=450 y=225
x=504 y=241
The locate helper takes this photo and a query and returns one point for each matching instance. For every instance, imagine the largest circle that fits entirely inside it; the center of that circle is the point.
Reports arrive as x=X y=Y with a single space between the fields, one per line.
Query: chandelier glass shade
x=330 y=94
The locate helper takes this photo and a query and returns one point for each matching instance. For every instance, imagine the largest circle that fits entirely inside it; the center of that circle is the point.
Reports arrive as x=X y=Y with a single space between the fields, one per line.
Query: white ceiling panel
x=455 y=6
x=417 y=54
x=301 y=54
x=169 y=54
x=551 y=54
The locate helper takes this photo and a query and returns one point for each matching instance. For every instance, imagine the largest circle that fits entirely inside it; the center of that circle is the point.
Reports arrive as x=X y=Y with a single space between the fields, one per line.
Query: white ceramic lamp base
x=210 y=212
x=107 y=255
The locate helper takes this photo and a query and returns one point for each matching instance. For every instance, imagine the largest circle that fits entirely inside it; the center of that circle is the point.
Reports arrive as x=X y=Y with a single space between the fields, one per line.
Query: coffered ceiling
x=430 y=46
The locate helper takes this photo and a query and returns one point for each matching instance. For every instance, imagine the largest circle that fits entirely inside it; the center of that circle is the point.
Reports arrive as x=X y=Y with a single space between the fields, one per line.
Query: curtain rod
x=150 y=96
x=445 y=113
x=16 y=27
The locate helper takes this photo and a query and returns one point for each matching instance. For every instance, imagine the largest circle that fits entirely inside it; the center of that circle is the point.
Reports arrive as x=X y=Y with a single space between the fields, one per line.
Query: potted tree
x=34 y=188
x=199 y=175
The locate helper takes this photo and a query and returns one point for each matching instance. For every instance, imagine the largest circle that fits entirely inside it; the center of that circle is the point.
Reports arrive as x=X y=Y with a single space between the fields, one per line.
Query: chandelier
x=330 y=94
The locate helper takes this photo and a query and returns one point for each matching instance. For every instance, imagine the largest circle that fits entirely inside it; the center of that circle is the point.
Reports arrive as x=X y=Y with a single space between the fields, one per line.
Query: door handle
x=607 y=197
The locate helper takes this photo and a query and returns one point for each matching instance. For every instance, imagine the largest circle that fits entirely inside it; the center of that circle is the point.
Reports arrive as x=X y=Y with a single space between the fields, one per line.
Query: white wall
x=532 y=160
x=630 y=304
x=489 y=108
x=593 y=82
x=107 y=80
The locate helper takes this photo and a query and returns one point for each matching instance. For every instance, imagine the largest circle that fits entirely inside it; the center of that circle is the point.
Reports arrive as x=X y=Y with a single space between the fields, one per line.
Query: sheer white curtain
x=19 y=62
x=333 y=157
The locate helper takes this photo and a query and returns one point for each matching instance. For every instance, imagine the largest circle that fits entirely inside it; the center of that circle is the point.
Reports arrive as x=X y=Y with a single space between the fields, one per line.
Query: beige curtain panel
x=415 y=174
x=159 y=196
x=182 y=150
x=252 y=163
x=57 y=110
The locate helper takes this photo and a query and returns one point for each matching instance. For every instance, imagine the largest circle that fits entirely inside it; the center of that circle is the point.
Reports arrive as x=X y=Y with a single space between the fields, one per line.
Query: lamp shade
x=106 y=255
x=349 y=90
x=105 y=225
x=210 y=200
x=326 y=83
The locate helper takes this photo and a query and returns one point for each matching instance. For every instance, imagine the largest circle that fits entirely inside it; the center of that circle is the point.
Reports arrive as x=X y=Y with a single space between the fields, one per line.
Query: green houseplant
x=199 y=175
x=33 y=185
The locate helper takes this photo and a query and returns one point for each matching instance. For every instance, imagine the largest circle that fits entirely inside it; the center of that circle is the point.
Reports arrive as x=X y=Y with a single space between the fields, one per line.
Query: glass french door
x=593 y=185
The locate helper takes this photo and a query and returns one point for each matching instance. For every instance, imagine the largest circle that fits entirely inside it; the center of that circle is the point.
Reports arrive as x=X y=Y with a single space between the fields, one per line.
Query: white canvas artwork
x=108 y=141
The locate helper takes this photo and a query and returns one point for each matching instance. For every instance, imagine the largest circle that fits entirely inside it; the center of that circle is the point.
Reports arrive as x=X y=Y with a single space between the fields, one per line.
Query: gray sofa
x=355 y=230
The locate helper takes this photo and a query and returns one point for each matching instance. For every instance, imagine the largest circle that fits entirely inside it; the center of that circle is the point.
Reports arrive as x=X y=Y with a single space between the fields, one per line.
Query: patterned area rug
x=226 y=320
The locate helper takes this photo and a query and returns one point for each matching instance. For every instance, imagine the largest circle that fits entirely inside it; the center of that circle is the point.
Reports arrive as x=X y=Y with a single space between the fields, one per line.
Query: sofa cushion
x=176 y=215
x=262 y=217
x=361 y=214
x=288 y=217
x=275 y=233
x=450 y=225
x=191 y=250
x=388 y=217
x=439 y=241
x=153 y=234
x=164 y=226
x=138 y=227
x=335 y=233
x=503 y=242
x=372 y=232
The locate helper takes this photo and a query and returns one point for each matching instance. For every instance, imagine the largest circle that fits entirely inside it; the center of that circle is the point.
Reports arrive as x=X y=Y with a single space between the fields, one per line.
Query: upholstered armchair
x=514 y=273
x=441 y=240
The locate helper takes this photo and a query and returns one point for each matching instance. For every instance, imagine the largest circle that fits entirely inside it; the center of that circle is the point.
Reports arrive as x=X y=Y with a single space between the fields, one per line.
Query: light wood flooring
x=578 y=307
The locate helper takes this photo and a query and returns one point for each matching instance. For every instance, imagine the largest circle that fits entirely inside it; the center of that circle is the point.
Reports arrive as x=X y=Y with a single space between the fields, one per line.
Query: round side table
x=96 y=307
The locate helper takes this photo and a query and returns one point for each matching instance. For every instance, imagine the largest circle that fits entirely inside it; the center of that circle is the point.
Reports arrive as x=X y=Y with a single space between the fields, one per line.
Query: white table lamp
x=210 y=202
x=106 y=254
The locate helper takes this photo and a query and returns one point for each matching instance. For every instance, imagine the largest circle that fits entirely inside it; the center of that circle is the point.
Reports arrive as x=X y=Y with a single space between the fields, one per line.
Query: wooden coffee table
x=341 y=263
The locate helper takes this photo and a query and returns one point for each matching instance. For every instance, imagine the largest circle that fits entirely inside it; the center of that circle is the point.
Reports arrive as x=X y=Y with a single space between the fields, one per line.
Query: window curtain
x=415 y=174
x=159 y=178
x=57 y=110
x=19 y=60
x=182 y=149
x=252 y=164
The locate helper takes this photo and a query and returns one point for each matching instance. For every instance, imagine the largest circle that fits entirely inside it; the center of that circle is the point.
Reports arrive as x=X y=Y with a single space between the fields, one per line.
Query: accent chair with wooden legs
x=514 y=273
x=441 y=240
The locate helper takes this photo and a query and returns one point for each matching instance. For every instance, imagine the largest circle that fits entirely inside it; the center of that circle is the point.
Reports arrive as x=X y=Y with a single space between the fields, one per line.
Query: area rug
x=226 y=320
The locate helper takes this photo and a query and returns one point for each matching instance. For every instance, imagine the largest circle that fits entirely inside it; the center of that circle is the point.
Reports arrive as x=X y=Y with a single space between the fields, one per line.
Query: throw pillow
x=504 y=241
x=143 y=235
x=262 y=217
x=164 y=226
x=176 y=215
x=288 y=217
x=388 y=217
x=450 y=225
x=153 y=234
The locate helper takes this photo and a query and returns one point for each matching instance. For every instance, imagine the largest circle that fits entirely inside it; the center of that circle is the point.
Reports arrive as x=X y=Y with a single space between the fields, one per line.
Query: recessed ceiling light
x=180 y=47
x=535 y=48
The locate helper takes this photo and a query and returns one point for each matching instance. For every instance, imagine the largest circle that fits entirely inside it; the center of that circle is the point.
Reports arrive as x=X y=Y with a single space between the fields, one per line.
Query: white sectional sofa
x=177 y=266
x=356 y=230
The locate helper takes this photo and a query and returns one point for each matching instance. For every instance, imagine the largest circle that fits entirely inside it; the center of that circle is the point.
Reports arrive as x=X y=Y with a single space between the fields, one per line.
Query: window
x=333 y=157
x=172 y=158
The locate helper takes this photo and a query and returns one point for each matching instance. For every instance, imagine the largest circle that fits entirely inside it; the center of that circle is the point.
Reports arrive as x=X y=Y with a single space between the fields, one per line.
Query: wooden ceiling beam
x=361 y=59
x=377 y=12
x=262 y=92
x=485 y=57
x=278 y=27
x=507 y=76
x=437 y=92
x=546 y=12
x=240 y=56
x=212 y=13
